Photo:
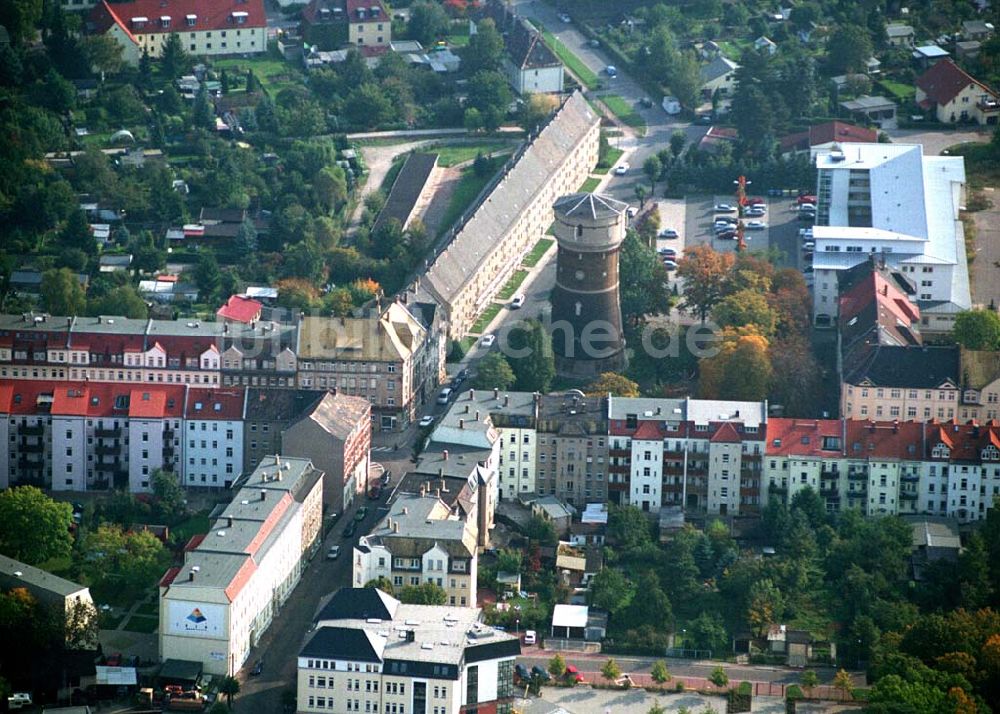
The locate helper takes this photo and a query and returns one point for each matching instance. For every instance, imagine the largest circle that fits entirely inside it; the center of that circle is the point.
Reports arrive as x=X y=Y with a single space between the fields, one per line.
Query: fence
x=682 y=653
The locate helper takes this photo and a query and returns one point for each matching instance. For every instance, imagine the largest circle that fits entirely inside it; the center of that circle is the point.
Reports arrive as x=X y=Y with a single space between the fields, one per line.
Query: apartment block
x=485 y=250
x=572 y=454
x=229 y=27
x=82 y=436
x=374 y=356
x=422 y=540
x=886 y=467
x=703 y=455
x=891 y=200
x=268 y=413
x=369 y=652
x=215 y=607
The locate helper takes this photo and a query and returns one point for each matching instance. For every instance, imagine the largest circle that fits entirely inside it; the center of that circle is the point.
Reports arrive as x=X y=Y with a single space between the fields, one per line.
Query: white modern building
x=891 y=200
x=369 y=652
x=215 y=607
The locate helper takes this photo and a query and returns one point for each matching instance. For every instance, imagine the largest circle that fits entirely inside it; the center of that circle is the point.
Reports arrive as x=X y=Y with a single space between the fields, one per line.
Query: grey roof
x=917 y=367
x=406 y=189
x=419 y=522
x=358 y=604
x=482 y=235
x=866 y=103
x=279 y=404
x=34 y=579
x=719 y=67
x=590 y=205
x=932 y=532
x=898 y=30
x=340 y=414
x=447 y=635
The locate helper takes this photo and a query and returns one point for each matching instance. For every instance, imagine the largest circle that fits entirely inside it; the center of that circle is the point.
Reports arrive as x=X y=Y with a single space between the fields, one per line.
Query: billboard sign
x=194 y=619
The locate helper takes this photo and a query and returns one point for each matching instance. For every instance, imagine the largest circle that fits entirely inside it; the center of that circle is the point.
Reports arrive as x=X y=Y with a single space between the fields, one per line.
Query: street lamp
x=517 y=625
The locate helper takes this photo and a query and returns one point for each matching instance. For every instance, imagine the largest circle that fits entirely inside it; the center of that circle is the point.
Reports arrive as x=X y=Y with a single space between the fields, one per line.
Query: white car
x=754 y=211
x=669 y=264
x=806 y=232
x=723 y=221
x=724 y=208
x=808 y=245
x=333 y=553
x=426 y=421
x=807 y=208
x=756 y=225
x=563 y=17
x=18 y=700
x=622 y=169
x=530 y=637
x=487 y=340
x=517 y=303
x=668 y=233
x=667 y=253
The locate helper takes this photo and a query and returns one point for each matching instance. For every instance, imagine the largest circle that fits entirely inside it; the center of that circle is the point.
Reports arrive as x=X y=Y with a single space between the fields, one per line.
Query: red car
x=806 y=199
x=756 y=201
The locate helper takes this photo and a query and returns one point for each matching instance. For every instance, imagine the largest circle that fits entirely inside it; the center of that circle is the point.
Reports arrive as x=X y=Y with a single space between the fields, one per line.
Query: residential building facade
x=528 y=63
x=369 y=652
x=215 y=607
x=954 y=96
x=421 y=540
x=205 y=28
x=485 y=250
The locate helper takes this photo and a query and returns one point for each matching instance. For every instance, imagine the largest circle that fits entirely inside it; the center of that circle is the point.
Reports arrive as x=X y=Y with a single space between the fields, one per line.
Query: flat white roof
x=859 y=233
x=570 y=616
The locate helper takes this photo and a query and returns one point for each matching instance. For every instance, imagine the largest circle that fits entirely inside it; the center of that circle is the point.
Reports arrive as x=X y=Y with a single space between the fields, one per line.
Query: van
x=530 y=637
x=444 y=395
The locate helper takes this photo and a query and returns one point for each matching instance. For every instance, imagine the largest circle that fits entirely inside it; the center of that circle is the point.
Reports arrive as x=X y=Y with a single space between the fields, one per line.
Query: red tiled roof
x=226 y=404
x=241 y=578
x=240 y=309
x=194 y=541
x=825 y=133
x=884 y=440
x=802 y=437
x=147 y=404
x=168 y=577
x=965 y=442
x=648 y=431
x=944 y=80
x=210 y=15
x=726 y=433
x=94 y=399
x=70 y=400
x=104 y=16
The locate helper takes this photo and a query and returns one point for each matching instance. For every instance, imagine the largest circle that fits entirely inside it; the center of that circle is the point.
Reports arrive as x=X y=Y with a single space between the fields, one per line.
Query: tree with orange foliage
x=706 y=273
x=741 y=370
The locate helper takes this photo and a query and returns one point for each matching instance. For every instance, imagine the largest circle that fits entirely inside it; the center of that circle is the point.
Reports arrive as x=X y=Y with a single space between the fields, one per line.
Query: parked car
x=631 y=211
x=724 y=228
x=444 y=395
x=362 y=512
x=594 y=43
x=670 y=264
x=539 y=671
x=807 y=216
x=725 y=208
x=17 y=700
x=668 y=233
x=807 y=207
x=756 y=201
x=646 y=103
x=517 y=302
x=756 y=225
x=333 y=553
x=487 y=340
x=755 y=211
x=611 y=71
x=622 y=168
x=667 y=252
x=351 y=529
x=530 y=637
x=703 y=119
x=258 y=668
x=808 y=245
x=522 y=672
x=426 y=421
x=375 y=492
x=806 y=198
x=726 y=235
x=806 y=232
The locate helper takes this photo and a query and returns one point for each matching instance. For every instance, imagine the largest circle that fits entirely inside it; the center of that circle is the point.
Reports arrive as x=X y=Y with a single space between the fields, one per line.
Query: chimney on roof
x=263 y=494
x=461 y=423
x=405 y=510
x=427 y=486
x=895 y=426
x=443 y=487
x=389 y=522
x=496 y=392
x=472 y=394
x=191 y=577
x=229 y=521
x=395 y=527
x=437 y=492
x=423 y=490
x=466 y=409
x=506 y=400
x=477 y=415
x=444 y=454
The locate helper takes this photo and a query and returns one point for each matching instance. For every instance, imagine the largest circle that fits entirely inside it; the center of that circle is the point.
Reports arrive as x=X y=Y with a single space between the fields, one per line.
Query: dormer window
x=191 y=20
x=240 y=17
x=139 y=22
x=165 y=21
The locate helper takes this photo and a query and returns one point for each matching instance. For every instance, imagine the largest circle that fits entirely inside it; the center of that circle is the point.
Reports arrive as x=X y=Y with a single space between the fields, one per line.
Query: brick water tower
x=587 y=336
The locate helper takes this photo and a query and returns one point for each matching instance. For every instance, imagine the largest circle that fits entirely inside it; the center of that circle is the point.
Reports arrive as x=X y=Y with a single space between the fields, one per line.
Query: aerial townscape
x=500 y=356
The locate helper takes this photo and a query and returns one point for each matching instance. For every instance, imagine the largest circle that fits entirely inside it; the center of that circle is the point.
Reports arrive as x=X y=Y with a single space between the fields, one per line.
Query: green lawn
x=110 y=622
x=454 y=154
x=458 y=40
x=574 y=64
x=589 y=185
x=609 y=160
x=625 y=111
x=274 y=74
x=486 y=318
x=141 y=623
x=508 y=290
x=465 y=192
x=902 y=92
x=536 y=253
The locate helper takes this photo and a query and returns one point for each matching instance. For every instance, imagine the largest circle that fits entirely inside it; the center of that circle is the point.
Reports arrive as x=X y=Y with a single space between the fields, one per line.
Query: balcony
x=861 y=492
x=829 y=473
x=618 y=468
x=32 y=430
x=107 y=466
x=169 y=434
x=114 y=433
x=102 y=450
x=31 y=448
x=99 y=485
x=619 y=452
x=910 y=478
x=858 y=475
x=777 y=489
x=829 y=491
x=988 y=105
x=907 y=495
x=168 y=452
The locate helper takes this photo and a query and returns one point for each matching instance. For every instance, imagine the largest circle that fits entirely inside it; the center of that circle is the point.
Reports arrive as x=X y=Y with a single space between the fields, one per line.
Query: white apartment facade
x=215 y=607
x=891 y=200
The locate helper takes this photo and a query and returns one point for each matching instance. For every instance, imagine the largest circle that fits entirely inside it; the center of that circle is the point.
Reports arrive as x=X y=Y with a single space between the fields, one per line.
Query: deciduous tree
x=659 y=672
x=33 y=527
x=62 y=293
x=718 y=677
x=424 y=594
x=428 y=23
x=705 y=273
x=485 y=48
x=741 y=369
x=746 y=308
x=494 y=372
x=978 y=329
x=534 y=371
x=611 y=382
x=126 y=561
x=642 y=280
